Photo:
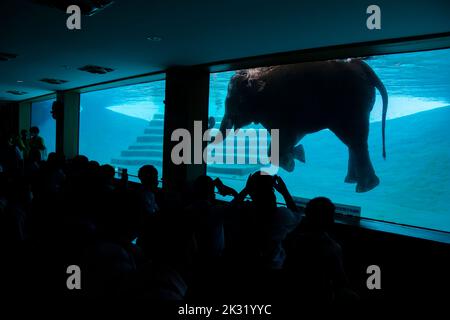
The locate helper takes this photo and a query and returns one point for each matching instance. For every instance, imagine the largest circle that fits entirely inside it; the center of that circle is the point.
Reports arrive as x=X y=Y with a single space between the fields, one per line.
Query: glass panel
x=415 y=177
x=124 y=126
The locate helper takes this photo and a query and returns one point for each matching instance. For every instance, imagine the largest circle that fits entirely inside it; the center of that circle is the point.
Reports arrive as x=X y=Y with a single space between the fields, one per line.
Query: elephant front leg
x=287 y=162
x=286 y=152
x=284 y=159
x=366 y=177
x=299 y=153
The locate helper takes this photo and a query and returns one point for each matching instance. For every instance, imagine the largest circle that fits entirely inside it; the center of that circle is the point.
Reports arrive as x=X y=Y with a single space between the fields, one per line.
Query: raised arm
x=240 y=197
x=280 y=186
x=223 y=189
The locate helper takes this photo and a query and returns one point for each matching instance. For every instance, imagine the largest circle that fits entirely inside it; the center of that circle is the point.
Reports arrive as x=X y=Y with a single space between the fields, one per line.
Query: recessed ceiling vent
x=16 y=92
x=95 y=69
x=87 y=7
x=53 y=81
x=7 y=56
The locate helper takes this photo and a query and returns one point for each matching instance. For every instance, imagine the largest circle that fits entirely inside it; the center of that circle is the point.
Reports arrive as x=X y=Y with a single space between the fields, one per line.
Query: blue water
x=124 y=126
x=415 y=178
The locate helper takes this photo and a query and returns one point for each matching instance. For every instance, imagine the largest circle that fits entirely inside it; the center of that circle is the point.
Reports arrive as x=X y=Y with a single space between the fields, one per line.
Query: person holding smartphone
x=264 y=224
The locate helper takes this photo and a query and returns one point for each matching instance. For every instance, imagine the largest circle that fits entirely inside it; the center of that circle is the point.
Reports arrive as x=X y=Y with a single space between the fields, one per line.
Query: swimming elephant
x=303 y=98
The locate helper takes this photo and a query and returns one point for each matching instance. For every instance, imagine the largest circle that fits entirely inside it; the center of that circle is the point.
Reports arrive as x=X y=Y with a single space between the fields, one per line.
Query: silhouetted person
x=33 y=164
x=10 y=155
x=24 y=137
x=150 y=233
x=265 y=225
x=24 y=143
x=16 y=204
x=207 y=216
x=148 y=175
x=37 y=142
x=107 y=174
x=314 y=262
x=16 y=142
x=53 y=174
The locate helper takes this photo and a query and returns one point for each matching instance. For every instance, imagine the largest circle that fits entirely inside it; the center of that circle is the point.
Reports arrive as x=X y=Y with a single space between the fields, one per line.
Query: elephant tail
x=376 y=82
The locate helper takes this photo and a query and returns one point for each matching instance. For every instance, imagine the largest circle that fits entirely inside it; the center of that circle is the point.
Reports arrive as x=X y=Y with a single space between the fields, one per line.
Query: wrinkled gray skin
x=299 y=99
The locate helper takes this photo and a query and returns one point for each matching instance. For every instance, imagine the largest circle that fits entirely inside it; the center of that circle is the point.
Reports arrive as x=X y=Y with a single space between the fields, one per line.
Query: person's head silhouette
x=148 y=176
x=204 y=188
x=34 y=132
x=261 y=189
x=319 y=213
x=107 y=173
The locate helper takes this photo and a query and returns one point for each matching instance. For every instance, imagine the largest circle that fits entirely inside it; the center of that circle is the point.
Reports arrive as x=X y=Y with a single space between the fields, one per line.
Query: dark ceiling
x=192 y=32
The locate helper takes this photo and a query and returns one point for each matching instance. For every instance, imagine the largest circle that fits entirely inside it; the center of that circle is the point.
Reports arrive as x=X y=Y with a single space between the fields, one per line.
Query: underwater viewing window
x=325 y=127
x=124 y=126
x=41 y=117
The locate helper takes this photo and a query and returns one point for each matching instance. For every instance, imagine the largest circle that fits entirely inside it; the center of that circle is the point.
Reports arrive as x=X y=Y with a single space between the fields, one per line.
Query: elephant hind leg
x=366 y=177
x=360 y=170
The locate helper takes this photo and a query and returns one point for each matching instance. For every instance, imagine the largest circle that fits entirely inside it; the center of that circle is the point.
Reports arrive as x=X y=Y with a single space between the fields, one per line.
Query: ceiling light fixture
x=17 y=92
x=4 y=56
x=53 y=81
x=154 y=38
x=87 y=7
x=96 y=69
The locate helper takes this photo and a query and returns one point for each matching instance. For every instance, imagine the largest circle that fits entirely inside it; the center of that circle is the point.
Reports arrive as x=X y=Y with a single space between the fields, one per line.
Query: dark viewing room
x=225 y=159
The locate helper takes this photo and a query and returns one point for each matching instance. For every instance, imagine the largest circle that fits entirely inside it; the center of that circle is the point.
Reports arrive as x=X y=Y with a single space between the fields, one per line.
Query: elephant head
x=241 y=101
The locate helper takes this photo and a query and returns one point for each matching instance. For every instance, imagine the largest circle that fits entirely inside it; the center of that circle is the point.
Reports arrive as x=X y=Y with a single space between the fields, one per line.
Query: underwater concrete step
x=137 y=162
x=149 y=139
x=133 y=169
x=158 y=116
x=240 y=137
x=140 y=153
x=159 y=138
x=156 y=124
x=238 y=159
x=159 y=146
x=159 y=123
x=154 y=130
x=159 y=152
x=236 y=170
x=238 y=148
x=158 y=129
x=143 y=146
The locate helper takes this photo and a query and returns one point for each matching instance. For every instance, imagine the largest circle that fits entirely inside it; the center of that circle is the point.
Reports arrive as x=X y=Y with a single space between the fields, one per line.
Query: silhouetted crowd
x=137 y=241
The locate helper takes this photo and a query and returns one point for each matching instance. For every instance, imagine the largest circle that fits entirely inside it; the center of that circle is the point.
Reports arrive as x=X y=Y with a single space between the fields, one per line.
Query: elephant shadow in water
x=304 y=98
